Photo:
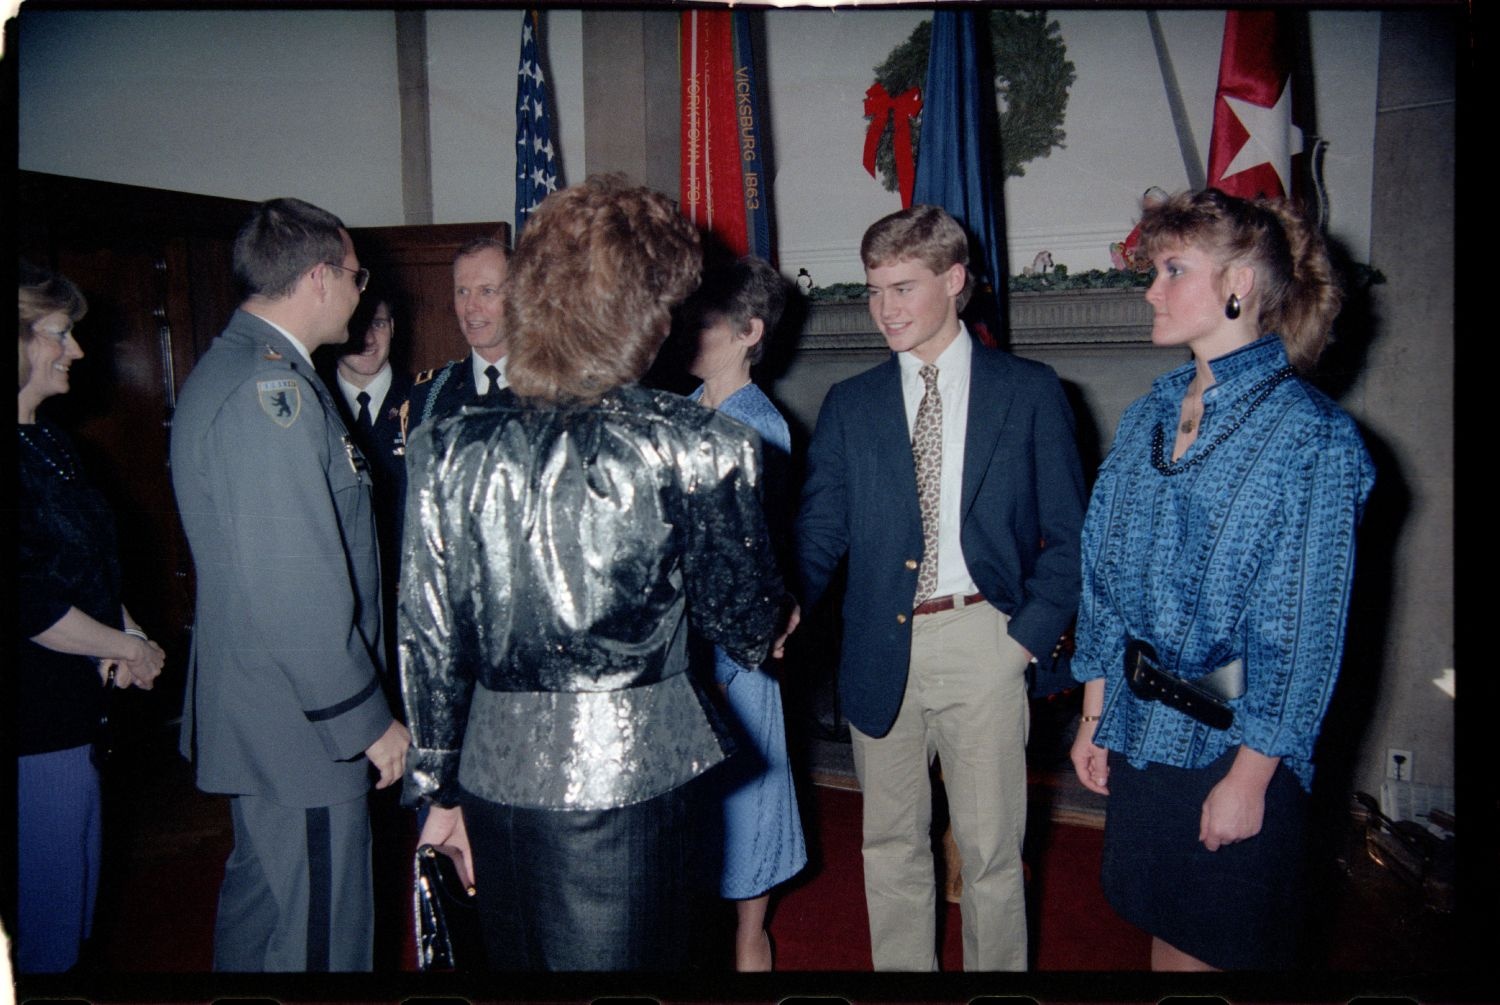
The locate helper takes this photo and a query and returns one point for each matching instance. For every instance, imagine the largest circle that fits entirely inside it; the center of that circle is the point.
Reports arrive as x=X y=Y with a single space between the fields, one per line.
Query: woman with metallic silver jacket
x=558 y=544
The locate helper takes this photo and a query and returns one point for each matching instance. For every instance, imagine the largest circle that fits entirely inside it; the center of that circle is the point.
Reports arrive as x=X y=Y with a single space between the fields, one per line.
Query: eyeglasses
x=361 y=276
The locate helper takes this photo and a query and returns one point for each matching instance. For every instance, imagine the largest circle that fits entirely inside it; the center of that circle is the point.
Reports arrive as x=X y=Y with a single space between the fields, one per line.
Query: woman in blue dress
x=737 y=310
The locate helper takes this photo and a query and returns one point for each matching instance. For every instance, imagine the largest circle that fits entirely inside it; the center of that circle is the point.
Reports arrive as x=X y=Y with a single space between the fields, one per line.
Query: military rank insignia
x=281 y=400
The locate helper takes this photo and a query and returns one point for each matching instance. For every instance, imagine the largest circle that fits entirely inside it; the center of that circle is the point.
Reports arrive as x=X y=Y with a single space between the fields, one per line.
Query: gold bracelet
x=1091 y=718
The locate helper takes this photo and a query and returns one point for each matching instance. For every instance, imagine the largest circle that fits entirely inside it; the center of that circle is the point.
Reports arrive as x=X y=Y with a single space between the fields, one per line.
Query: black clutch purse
x=447 y=915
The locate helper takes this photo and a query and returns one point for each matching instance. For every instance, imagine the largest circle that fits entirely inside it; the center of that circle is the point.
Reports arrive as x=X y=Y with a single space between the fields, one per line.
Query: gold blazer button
x=911 y=563
x=900 y=619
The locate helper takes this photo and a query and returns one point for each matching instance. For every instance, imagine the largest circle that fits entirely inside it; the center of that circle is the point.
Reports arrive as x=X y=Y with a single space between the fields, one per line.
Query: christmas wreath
x=1032 y=77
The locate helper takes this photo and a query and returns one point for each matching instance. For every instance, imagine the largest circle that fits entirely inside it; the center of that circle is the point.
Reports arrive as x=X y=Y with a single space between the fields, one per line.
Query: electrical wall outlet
x=1398 y=766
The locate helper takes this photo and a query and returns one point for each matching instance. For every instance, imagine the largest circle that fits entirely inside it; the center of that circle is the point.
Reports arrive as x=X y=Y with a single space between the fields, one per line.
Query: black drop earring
x=1232 y=306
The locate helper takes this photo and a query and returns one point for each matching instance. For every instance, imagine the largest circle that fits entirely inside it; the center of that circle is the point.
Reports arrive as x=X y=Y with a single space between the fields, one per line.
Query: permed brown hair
x=927 y=234
x=43 y=293
x=591 y=289
x=1296 y=294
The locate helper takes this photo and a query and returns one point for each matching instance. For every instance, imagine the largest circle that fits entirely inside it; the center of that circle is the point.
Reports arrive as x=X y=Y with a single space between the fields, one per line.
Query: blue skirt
x=1238 y=908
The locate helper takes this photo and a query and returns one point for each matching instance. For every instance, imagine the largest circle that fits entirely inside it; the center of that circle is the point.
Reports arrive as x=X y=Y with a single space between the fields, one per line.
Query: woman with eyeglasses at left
x=76 y=641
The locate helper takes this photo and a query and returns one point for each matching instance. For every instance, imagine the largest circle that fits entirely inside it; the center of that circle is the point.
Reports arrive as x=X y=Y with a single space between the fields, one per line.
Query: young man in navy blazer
x=954 y=587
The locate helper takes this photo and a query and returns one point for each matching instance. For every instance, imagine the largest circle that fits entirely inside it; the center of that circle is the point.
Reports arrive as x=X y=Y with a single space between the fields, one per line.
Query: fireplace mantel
x=1062 y=318
x=1098 y=341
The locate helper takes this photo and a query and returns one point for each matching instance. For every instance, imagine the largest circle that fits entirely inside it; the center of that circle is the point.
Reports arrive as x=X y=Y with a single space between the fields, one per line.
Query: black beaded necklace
x=1258 y=393
x=66 y=469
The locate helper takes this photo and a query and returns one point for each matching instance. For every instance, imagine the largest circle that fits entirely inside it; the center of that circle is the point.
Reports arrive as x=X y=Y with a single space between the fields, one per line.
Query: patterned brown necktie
x=927 y=452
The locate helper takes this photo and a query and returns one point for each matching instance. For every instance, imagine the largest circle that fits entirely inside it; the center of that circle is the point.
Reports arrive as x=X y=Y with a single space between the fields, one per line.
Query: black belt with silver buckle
x=1205 y=699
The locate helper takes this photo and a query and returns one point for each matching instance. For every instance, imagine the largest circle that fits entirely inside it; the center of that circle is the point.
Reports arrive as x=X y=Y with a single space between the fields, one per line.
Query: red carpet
x=158 y=915
x=819 y=923
x=165 y=846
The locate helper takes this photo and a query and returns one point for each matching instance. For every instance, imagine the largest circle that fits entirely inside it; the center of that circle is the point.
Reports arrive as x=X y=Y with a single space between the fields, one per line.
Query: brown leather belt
x=947 y=603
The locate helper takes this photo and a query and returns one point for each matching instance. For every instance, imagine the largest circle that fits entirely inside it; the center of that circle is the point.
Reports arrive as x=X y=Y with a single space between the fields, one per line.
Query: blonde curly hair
x=1296 y=294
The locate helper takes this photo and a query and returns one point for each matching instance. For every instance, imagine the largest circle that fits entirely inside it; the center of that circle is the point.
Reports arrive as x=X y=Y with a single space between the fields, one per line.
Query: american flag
x=536 y=160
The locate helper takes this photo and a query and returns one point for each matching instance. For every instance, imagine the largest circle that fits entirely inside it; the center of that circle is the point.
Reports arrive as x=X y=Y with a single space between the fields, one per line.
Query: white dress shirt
x=482 y=382
x=953 y=387
x=377 y=388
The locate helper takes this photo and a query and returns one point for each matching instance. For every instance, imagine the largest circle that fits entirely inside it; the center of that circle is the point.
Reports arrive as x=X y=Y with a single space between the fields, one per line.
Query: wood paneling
x=156 y=269
x=153 y=266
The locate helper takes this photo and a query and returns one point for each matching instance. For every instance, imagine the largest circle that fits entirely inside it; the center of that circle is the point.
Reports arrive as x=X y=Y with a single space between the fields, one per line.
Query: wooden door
x=152 y=266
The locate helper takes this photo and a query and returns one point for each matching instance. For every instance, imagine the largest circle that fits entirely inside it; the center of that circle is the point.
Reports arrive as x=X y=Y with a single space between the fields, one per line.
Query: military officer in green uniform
x=283 y=710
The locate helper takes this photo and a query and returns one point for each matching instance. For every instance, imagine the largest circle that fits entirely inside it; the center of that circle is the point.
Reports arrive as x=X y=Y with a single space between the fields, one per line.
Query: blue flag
x=954 y=167
x=752 y=149
x=536 y=159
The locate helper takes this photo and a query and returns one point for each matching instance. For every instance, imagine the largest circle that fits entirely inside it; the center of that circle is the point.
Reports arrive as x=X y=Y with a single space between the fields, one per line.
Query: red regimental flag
x=1253 y=142
x=712 y=185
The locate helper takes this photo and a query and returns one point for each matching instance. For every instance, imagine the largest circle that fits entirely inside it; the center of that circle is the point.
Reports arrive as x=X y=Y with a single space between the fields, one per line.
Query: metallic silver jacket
x=553 y=560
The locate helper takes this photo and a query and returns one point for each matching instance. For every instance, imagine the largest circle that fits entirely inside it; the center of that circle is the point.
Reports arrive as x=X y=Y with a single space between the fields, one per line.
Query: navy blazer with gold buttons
x=1023 y=502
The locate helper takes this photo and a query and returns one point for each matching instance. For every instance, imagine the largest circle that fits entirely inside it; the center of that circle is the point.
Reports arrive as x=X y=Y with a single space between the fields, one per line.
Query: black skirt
x=1238 y=908
x=583 y=889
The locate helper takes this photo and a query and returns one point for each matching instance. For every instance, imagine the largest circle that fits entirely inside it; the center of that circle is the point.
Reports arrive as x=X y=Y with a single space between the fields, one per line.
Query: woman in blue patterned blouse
x=1220 y=535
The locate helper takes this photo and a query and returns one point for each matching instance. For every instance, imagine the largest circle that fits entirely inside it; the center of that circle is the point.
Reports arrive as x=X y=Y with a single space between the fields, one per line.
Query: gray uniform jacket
x=283 y=695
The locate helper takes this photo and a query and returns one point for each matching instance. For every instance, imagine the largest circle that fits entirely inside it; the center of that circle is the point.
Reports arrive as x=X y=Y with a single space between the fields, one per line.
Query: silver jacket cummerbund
x=552 y=561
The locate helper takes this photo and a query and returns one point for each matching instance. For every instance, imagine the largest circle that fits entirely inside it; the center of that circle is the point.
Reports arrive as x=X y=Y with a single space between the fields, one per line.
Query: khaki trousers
x=965 y=701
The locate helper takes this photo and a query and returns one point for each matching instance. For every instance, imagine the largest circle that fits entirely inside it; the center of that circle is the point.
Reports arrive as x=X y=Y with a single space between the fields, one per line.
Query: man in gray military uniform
x=284 y=709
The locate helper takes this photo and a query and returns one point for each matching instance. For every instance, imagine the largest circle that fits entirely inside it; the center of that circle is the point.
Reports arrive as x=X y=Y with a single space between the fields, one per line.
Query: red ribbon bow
x=879 y=105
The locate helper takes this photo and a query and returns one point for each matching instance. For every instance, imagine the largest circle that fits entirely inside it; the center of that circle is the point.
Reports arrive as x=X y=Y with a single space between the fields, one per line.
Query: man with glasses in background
x=283 y=709
x=370 y=392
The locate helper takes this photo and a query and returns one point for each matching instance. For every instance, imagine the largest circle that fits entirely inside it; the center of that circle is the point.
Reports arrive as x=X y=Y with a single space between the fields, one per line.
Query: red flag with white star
x=1253 y=142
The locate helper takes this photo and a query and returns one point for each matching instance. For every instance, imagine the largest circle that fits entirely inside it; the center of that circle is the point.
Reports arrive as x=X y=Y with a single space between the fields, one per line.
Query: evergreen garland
x=1358 y=277
x=1032 y=77
x=1058 y=279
